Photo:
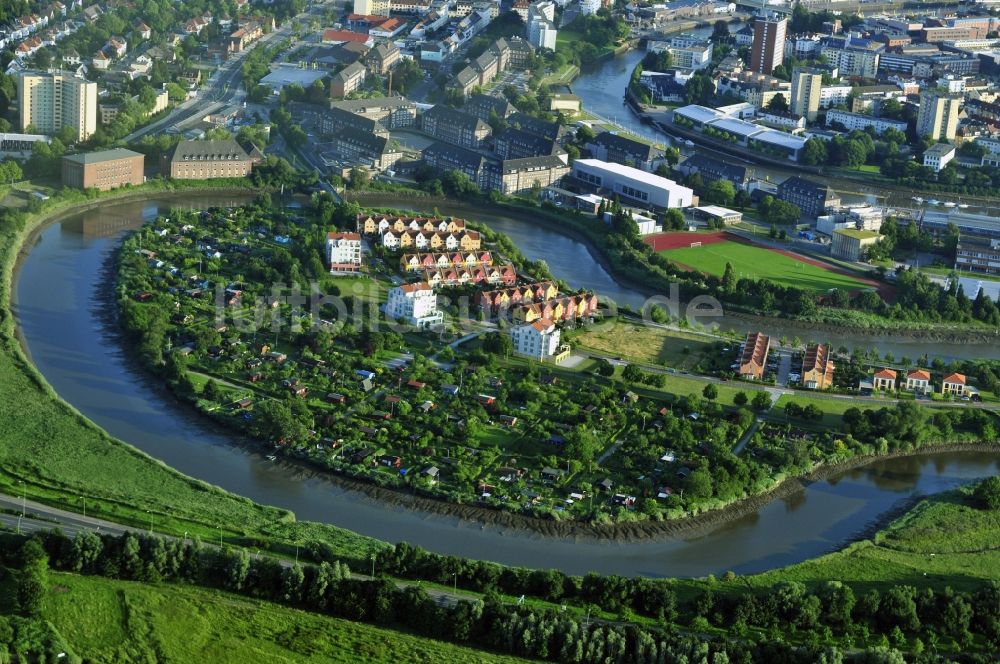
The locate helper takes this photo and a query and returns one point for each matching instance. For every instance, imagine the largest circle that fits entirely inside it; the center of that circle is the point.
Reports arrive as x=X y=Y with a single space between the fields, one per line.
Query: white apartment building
x=544 y=9
x=542 y=33
x=685 y=52
x=343 y=253
x=53 y=100
x=589 y=6
x=414 y=303
x=852 y=121
x=833 y=95
x=937 y=117
x=938 y=155
x=538 y=340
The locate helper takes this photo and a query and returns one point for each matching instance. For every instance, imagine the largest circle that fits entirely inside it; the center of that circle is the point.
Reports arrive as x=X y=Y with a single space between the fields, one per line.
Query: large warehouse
x=631 y=185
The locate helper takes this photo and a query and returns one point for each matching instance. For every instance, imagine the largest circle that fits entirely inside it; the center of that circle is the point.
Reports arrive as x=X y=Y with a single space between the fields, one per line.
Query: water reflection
x=61 y=313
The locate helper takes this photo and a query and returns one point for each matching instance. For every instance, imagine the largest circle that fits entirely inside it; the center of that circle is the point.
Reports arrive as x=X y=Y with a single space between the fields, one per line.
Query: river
x=66 y=329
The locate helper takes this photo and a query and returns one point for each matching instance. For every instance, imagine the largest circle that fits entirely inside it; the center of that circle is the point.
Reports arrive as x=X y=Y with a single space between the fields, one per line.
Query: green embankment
x=119 y=621
x=63 y=459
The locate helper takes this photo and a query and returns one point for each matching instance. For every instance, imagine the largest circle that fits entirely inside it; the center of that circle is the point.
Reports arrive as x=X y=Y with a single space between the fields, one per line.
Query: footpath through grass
x=119 y=621
x=753 y=262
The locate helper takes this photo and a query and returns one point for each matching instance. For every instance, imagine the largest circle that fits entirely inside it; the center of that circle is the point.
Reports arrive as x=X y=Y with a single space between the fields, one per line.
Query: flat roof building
x=850 y=244
x=632 y=184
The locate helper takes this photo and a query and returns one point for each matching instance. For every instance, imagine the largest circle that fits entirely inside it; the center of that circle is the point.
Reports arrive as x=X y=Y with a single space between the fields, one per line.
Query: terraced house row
x=459 y=240
x=500 y=274
x=567 y=307
x=417 y=262
x=493 y=301
x=377 y=224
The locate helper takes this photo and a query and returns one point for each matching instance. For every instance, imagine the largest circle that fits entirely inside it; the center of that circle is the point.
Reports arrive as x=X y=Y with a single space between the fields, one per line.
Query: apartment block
x=53 y=100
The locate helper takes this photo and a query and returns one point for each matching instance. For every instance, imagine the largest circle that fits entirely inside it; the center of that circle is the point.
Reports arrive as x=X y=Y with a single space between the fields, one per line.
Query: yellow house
x=469 y=241
x=405 y=240
x=558 y=309
x=434 y=239
x=528 y=313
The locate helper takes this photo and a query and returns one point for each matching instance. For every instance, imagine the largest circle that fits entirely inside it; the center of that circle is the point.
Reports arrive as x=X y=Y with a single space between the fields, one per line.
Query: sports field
x=755 y=262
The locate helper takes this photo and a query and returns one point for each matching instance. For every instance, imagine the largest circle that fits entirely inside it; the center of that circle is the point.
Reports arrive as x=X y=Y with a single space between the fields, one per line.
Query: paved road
x=41 y=518
x=223 y=86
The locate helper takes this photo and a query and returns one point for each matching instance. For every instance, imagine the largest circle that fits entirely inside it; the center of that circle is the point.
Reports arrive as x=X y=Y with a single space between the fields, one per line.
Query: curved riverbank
x=696 y=525
x=90 y=372
x=626 y=526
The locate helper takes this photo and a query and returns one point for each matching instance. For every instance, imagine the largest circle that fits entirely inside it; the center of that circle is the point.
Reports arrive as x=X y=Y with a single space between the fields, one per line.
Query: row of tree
x=785 y=610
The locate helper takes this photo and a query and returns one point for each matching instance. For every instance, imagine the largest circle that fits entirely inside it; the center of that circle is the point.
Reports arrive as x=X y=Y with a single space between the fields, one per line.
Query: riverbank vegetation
x=823 y=609
x=51 y=453
x=917 y=303
x=467 y=423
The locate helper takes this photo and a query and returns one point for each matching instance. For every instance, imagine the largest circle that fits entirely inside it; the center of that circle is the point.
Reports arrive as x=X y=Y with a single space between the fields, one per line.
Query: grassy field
x=649 y=345
x=761 y=263
x=833 y=409
x=944 y=541
x=119 y=621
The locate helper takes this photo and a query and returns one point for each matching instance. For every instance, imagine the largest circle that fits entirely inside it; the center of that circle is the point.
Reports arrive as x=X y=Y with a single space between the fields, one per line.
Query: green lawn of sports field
x=760 y=263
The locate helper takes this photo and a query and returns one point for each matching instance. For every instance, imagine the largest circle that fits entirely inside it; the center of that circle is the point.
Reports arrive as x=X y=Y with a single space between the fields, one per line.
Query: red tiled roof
x=918 y=374
x=344 y=36
x=886 y=373
x=955 y=378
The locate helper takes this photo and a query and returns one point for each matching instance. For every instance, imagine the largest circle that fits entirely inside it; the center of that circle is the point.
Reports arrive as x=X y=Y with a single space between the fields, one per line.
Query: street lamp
x=150 y=521
x=24 y=497
x=373 y=565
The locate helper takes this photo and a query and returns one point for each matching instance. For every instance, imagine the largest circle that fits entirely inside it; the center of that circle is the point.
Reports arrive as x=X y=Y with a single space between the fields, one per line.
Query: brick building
x=201 y=160
x=103 y=170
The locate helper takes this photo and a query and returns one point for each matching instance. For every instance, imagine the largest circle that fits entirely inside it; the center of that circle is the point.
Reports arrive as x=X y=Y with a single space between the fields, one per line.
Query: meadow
x=124 y=621
x=760 y=263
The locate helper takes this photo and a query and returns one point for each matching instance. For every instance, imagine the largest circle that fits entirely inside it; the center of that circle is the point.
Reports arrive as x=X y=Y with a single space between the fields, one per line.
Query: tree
x=729 y=280
x=699 y=89
x=632 y=373
x=32 y=580
x=711 y=392
x=498 y=343
x=987 y=494
x=721 y=192
x=698 y=484
x=814 y=152
x=777 y=211
x=273 y=421
x=359 y=178
x=740 y=399
x=720 y=30
x=761 y=401
x=778 y=104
